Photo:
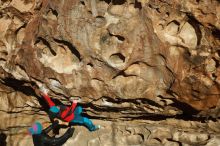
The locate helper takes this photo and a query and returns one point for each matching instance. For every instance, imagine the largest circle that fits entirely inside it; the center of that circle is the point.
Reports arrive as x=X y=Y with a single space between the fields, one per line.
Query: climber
x=70 y=114
x=41 y=138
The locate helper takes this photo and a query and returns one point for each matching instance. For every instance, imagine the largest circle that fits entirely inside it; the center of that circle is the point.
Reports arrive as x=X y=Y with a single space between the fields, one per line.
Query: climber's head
x=36 y=128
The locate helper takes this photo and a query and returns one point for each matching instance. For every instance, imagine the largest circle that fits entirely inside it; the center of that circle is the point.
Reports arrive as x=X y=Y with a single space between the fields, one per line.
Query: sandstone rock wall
x=124 y=59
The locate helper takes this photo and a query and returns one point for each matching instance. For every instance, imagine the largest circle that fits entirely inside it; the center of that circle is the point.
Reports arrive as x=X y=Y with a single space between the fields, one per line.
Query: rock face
x=124 y=59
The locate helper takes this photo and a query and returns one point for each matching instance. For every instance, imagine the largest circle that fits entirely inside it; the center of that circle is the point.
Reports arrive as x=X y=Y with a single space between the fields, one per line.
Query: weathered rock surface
x=125 y=60
x=139 y=133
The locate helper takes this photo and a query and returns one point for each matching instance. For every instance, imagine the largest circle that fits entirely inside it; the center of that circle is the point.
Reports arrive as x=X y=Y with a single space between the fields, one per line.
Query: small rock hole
x=90 y=12
x=158 y=10
x=82 y=2
x=117 y=58
x=121 y=38
x=100 y=17
x=175 y=22
x=137 y=4
x=90 y=64
x=118 y=2
x=46 y=43
x=70 y=46
x=216 y=33
x=54 y=12
x=216 y=62
x=150 y=6
x=195 y=24
x=2 y=59
x=4 y=53
x=214 y=75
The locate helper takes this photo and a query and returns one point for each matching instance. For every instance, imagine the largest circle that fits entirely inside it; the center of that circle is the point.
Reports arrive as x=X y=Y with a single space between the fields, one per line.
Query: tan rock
x=151 y=61
x=213 y=142
x=188 y=36
x=191 y=138
x=211 y=65
x=116 y=9
x=170 y=143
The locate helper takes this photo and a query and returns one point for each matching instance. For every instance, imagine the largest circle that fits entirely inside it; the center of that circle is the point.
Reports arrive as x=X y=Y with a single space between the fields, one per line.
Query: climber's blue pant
x=79 y=119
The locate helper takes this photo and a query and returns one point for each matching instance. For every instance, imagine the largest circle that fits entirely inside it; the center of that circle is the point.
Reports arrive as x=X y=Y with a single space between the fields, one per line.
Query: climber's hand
x=70 y=131
x=75 y=99
x=44 y=90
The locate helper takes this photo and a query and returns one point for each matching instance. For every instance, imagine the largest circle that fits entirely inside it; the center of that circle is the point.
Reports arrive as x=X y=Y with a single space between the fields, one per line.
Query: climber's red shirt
x=66 y=113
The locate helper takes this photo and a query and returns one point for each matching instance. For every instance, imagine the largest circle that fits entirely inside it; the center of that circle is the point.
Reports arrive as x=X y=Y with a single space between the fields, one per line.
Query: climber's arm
x=48 y=99
x=73 y=106
x=52 y=126
x=60 y=140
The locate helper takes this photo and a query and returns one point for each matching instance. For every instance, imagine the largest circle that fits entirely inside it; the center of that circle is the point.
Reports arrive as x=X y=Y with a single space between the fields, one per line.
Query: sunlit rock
x=148 y=70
